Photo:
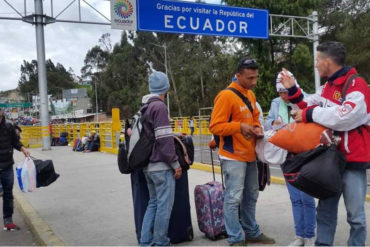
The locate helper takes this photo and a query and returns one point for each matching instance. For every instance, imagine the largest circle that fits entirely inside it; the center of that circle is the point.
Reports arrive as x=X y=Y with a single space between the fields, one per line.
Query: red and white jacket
x=351 y=118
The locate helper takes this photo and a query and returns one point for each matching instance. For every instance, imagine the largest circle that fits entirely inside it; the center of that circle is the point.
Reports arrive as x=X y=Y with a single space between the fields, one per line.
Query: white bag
x=269 y=153
x=28 y=175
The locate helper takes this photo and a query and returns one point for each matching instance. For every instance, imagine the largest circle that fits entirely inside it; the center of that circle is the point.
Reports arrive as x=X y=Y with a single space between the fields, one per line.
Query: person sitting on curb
x=93 y=142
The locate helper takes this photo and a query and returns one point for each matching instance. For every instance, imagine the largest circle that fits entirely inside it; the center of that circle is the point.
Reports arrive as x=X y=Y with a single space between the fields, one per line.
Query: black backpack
x=317 y=172
x=135 y=152
x=185 y=150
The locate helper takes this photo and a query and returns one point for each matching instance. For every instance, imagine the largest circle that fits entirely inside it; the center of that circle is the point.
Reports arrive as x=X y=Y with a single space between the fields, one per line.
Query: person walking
x=163 y=167
x=238 y=127
x=9 y=140
x=349 y=115
x=303 y=205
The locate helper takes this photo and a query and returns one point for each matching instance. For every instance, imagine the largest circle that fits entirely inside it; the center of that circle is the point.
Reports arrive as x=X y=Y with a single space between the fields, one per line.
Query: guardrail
x=31 y=136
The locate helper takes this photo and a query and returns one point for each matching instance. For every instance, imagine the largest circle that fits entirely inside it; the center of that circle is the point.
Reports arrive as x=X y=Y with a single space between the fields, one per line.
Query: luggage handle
x=213 y=170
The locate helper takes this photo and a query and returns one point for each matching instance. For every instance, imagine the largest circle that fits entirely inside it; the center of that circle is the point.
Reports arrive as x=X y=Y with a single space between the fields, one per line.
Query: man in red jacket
x=349 y=115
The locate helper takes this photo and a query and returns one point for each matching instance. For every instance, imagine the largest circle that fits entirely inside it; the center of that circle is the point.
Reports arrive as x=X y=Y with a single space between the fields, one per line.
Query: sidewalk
x=91 y=203
x=23 y=237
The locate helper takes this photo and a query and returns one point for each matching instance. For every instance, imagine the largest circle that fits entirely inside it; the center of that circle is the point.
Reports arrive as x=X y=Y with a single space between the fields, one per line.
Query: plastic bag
x=26 y=174
x=269 y=153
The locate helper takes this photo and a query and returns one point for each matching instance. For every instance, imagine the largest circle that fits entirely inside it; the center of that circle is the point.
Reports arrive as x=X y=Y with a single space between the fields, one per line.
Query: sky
x=65 y=43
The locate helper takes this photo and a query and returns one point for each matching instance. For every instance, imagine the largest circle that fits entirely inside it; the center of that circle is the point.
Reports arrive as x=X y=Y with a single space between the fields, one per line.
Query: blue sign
x=202 y=19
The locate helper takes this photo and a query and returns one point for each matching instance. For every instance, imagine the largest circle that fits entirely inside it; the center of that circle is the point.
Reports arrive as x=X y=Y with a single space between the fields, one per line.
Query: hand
x=257 y=131
x=25 y=152
x=247 y=130
x=178 y=172
x=212 y=144
x=287 y=80
x=276 y=122
x=298 y=116
x=129 y=132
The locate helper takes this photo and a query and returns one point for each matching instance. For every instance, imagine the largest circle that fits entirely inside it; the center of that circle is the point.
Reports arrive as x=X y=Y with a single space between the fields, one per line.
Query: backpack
x=135 y=152
x=76 y=143
x=184 y=148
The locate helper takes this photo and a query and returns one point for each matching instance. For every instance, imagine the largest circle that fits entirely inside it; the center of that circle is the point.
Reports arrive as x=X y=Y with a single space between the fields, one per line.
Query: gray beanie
x=158 y=83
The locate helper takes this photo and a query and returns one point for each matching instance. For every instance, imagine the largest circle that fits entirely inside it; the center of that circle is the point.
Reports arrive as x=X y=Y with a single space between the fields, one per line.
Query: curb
x=274 y=180
x=41 y=231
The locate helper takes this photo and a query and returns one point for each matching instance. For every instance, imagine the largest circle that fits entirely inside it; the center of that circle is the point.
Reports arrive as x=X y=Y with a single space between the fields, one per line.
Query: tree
x=277 y=52
x=348 y=22
x=58 y=78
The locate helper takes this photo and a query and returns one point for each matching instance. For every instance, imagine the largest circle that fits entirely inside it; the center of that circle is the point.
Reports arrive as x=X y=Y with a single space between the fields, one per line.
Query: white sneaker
x=309 y=241
x=298 y=241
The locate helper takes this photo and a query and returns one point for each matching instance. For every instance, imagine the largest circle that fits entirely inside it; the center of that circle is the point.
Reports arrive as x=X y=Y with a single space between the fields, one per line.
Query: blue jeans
x=354 y=195
x=161 y=186
x=7 y=181
x=304 y=212
x=241 y=193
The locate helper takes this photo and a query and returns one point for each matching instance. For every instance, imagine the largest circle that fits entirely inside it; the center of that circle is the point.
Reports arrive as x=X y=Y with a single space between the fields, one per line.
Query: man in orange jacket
x=235 y=120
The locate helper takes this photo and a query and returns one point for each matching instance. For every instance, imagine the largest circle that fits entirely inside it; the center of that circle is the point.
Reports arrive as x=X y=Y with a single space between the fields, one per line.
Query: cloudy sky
x=65 y=43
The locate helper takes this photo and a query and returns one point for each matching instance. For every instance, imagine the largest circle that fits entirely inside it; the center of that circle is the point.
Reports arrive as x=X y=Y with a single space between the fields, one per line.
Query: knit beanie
x=279 y=86
x=158 y=83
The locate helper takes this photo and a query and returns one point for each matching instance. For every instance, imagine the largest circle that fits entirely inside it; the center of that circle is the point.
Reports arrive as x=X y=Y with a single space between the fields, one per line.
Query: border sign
x=201 y=19
x=123 y=14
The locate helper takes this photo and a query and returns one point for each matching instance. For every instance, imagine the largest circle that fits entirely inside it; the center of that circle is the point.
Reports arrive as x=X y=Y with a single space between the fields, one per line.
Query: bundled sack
x=317 y=172
x=269 y=153
x=299 y=137
x=185 y=150
x=26 y=175
x=45 y=173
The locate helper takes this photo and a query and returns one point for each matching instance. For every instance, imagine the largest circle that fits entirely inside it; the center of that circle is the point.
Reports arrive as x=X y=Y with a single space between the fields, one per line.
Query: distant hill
x=11 y=96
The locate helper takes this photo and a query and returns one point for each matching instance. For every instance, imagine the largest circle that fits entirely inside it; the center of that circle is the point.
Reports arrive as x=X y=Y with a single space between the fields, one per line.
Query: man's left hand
x=298 y=116
x=25 y=152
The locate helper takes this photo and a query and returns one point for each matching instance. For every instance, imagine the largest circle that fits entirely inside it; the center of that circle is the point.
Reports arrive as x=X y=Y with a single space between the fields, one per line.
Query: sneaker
x=309 y=241
x=242 y=243
x=298 y=241
x=261 y=239
x=11 y=227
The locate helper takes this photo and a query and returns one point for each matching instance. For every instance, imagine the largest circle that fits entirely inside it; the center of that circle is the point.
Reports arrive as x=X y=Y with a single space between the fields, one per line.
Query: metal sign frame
x=287 y=26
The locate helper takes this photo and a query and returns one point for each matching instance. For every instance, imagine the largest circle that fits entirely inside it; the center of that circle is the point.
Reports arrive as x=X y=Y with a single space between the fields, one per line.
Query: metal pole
x=44 y=106
x=96 y=101
x=165 y=65
x=315 y=44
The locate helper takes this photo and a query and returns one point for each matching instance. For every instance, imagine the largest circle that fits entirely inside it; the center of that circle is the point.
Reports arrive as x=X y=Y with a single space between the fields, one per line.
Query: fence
x=32 y=138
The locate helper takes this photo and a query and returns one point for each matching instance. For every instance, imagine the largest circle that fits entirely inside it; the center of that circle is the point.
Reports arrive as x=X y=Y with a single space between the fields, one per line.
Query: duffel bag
x=317 y=172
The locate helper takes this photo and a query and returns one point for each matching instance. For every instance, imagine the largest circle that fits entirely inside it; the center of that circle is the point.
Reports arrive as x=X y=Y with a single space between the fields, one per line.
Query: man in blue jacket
x=163 y=167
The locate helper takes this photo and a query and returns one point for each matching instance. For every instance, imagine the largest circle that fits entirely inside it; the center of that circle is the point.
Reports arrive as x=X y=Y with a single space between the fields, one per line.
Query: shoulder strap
x=185 y=152
x=245 y=99
x=346 y=86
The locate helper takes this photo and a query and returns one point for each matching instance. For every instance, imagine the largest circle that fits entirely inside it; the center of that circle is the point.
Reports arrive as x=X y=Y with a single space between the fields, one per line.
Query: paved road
x=91 y=203
x=22 y=237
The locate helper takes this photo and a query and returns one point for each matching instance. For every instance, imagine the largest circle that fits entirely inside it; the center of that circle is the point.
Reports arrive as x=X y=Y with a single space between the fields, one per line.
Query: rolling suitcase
x=209 y=199
x=180 y=228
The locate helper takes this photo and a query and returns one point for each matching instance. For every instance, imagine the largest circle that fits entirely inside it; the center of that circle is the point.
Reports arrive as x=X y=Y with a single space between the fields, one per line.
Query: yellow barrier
x=32 y=135
x=181 y=125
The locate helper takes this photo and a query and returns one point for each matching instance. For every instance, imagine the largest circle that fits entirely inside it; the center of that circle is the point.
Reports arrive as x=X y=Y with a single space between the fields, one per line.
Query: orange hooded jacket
x=228 y=113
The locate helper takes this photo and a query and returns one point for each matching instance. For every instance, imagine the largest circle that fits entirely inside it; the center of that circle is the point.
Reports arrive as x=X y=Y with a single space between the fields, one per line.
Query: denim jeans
x=354 y=195
x=161 y=186
x=241 y=195
x=7 y=181
x=304 y=212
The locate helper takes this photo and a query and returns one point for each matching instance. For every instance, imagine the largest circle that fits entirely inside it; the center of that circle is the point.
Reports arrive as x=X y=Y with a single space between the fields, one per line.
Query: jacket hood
x=146 y=98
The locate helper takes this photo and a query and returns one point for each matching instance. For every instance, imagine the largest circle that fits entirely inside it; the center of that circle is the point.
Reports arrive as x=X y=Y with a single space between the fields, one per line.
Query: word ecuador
x=202 y=22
